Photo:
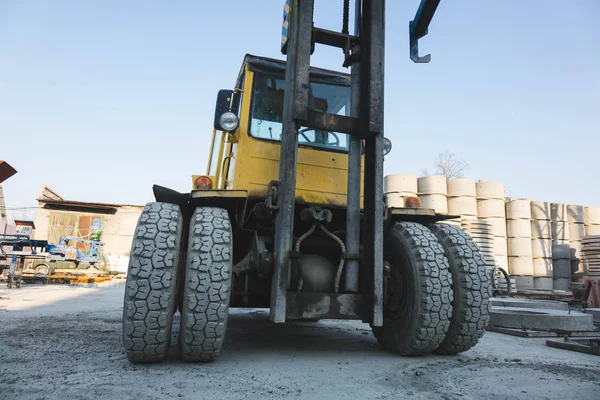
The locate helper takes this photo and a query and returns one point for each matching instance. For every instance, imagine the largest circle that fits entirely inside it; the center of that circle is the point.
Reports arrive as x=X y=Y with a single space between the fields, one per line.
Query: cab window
x=267 y=111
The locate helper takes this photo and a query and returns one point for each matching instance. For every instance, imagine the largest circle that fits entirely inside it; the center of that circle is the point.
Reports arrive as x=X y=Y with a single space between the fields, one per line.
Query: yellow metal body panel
x=249 y=164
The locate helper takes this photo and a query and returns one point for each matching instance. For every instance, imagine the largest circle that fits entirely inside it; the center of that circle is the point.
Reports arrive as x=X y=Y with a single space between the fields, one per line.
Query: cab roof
x=277 y=67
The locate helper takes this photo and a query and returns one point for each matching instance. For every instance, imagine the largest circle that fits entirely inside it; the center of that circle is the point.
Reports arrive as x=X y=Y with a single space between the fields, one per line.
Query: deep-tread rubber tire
x=150 y=291
x=207 y=288
x=471 y=287
x=423 y=316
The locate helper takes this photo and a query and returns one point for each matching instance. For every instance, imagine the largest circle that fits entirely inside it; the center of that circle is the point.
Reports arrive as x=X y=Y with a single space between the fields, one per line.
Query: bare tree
x=449 y=165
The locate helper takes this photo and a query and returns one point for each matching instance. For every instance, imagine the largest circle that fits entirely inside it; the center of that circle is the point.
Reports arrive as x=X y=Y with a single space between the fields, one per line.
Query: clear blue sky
x=99 y=100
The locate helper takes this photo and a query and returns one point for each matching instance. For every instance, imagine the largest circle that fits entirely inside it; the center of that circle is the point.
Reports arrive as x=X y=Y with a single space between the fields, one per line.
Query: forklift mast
x=364 y=52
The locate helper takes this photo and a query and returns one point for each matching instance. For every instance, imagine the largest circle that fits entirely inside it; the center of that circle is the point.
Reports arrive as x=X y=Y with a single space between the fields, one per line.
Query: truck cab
x=245 y=146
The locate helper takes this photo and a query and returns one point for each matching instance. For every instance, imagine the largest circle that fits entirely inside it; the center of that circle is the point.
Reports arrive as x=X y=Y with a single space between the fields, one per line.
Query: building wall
x=119 y=225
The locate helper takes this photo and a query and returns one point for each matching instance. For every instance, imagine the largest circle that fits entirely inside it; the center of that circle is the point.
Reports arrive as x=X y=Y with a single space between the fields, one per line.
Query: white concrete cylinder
x=542 y=267
x=501 y=261
x=519 y=247
x=432 y=185
x=541 y=248
x=560 y=231
x=395 y=200
x=575 y=214
x=576 y=248
x=591 y=215
x=518 y=208
x=592 y=230
x=518 y=228
x=490 y=190
x=543 y=283
x=541 y=229
x=436 y=202
x=500 y=246
x=540 y=210
x=461 y=187
x=498 y=225
x=520 y=266
x=490 y=208
x=462 y=206
x=400 y=183
x=576 y=231
x=558 y=212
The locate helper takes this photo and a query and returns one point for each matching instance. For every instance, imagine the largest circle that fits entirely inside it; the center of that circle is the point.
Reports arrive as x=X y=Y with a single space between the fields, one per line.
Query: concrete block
x=595 y=313
x=503 y=302
x=542 y=320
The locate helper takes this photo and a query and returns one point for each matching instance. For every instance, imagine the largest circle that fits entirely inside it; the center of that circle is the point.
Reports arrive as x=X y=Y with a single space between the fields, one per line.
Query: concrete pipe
x=576 y=248
x=575 y=214
x=395 y=200
x=543 y=267
x=490 y=208
x=543 y=283
x=520 y=266
x=524 y=282
x=561 y=252
x=518 y=209
x=541 y=229
x=592 y=230
x=490 y=190
x=576 y=231
x=461 y=187
x=560 y=230
x=541 y=248
x=591 y=215
x=562 y=284
x=519 y=247
x=518 y=228
x=498 y=225
x=558 y=212
x=561 y=268
x=436 y=202
x=501 y=261
x=400 y=183
x=432 y=185
x=500 y=245
x=462 y=206
x=540 y=210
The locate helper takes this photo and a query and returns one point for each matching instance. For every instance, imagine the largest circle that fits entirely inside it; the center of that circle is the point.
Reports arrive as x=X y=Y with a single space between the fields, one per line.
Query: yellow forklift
x=291 y=213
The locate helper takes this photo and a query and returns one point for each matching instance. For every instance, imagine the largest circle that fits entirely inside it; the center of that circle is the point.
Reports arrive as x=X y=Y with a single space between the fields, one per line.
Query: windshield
x=267 y=111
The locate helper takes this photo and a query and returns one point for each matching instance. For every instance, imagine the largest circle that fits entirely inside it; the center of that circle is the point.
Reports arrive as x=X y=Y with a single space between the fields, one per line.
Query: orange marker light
x=413 y=202
x=203 y=183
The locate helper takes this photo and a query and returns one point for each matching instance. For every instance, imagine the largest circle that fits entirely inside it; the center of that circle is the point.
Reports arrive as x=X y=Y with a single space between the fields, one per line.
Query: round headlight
x=387 y=146
x=229 y=121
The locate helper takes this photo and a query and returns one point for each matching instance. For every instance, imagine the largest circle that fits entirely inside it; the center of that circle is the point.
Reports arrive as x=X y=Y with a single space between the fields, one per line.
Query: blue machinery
x=23 y=248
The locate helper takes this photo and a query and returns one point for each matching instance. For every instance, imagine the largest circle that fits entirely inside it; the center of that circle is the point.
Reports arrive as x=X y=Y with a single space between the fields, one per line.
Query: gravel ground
x=59 y=342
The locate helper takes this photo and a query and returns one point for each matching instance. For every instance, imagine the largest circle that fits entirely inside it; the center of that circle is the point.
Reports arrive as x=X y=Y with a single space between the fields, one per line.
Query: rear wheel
x=417 y=294
x=151 y=283
x=471 y=287
x=207 y=287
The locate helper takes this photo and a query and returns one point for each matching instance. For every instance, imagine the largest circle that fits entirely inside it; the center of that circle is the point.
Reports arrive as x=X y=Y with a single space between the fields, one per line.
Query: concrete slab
x=503 y=302
x=540 y=319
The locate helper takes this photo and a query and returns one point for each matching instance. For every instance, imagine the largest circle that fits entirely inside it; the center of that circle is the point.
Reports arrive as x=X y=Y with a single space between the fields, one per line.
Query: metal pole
x=295 y=110
x=351 y=278
x=372 y=49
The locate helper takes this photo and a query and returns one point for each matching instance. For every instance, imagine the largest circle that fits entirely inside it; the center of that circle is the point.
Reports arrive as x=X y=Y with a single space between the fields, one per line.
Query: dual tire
x=436 y=291
x=155 y=273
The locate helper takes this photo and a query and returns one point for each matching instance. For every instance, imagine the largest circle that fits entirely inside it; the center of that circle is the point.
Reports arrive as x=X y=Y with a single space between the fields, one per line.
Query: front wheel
x=150 y=291
x=417 y=291
x=207 y=286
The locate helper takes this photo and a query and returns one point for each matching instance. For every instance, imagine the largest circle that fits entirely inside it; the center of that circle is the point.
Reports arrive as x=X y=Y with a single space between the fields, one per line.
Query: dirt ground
x=59 y=342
